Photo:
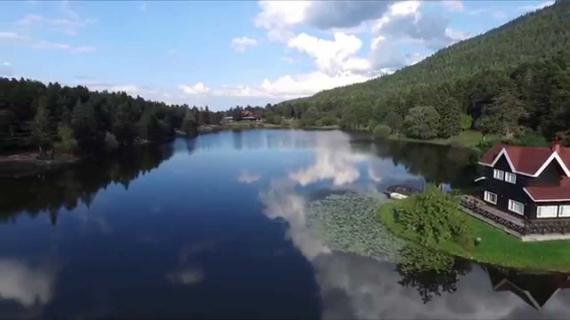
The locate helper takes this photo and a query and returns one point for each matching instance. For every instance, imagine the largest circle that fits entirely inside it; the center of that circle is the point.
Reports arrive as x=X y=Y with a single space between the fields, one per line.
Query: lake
x=216 y=227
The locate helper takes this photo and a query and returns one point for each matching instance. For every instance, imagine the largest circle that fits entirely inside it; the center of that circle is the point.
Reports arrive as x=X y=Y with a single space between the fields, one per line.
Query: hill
x=522 y=64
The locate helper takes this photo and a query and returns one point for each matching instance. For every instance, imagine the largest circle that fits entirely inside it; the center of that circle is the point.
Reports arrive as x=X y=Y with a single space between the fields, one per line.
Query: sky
x=223 y=54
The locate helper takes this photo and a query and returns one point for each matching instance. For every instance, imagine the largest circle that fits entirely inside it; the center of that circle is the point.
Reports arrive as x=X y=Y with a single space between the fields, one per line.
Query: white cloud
x=284 y=87
x=7 y=35
x=307 y=84
x=43 y=44
x=537 y=6
x=404 y=8
x=6 y=69
x=241 y=44
x=278 y=16
x=20 y=39
x=198 y=88
x=453 y=5
x=332 y=56
x=407 y=24
x=456 y=35
x=69 y=26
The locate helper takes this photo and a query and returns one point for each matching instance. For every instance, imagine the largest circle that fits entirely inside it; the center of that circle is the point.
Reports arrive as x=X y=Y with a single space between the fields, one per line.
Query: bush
x=67 y=142
x=394 y=121
x=422 y=123
x=329 y=120
x=382 y=131
x=532 y=139
x=466 y=122
x=435 y=216
x=111 y=142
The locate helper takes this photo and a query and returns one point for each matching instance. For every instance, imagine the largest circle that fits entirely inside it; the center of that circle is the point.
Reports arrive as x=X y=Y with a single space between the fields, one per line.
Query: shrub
x=422 y=123
x=532 y=139
x=111 y=142
x=382 y=131
x=67 y=142
x=434 y=215
x=466 y=122
x=394 y=121
x=329 y=120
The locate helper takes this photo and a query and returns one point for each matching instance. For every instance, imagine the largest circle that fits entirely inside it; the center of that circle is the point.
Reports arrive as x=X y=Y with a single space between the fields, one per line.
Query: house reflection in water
x=534 y=289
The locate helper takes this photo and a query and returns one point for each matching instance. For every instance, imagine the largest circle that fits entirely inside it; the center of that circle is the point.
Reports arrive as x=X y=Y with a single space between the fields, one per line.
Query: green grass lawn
x=469 y=139
x=496 y=247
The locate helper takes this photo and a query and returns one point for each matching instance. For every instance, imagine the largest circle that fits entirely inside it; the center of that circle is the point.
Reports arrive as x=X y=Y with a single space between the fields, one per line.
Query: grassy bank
x=467 y=139
x=496 y=247
x=244 y=125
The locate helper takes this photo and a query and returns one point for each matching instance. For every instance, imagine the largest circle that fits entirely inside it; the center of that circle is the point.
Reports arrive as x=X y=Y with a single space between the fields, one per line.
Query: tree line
x=74 y=119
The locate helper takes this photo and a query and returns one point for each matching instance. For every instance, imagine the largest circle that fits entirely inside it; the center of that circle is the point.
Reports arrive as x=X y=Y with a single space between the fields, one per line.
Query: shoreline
x=26 y=164
x=257 y=125
x=496 y=247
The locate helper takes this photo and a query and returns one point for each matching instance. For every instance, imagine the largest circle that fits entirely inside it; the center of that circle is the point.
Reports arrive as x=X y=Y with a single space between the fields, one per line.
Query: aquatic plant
x=347 y=222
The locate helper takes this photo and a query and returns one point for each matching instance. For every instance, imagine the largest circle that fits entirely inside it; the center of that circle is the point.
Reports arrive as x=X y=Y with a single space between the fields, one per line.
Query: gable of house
x=529 y=161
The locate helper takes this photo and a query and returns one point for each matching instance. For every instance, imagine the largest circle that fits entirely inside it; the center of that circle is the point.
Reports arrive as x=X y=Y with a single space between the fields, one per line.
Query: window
x=498 y=174
x=510 y=177
x=490 y=197
x=516 y=207
x=546 y=211
x=564 y=211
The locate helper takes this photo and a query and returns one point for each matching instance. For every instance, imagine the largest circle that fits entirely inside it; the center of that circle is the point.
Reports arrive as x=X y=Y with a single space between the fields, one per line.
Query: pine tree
x=503 y=115
x=42 y=131
x=189 y=125
x=422 y=123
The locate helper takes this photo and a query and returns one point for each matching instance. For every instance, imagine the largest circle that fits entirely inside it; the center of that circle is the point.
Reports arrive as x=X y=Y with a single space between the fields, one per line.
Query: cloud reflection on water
x=334 y=161
x=357 y=287
x=247 y=177
x=26 y=284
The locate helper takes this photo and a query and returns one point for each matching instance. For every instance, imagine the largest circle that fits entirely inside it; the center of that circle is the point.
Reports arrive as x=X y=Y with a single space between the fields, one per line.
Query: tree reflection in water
x=69 y=187
x=430 y=272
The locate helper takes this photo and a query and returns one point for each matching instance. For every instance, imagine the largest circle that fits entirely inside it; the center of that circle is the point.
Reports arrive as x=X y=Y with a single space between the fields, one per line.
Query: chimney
x=556 y=145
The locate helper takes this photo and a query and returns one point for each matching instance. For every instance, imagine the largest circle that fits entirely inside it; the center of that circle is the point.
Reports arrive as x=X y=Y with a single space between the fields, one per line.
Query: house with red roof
x=529 y=183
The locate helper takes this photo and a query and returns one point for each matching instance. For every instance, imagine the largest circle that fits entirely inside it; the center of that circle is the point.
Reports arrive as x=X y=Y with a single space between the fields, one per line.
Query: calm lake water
x=215 y=227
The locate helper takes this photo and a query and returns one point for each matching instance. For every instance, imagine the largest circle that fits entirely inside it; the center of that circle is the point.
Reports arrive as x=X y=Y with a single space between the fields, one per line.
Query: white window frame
x=514 y=207
x=510 y=177
x=564 y=211
x=499 y=174
x=539 y=213
x=487 y=196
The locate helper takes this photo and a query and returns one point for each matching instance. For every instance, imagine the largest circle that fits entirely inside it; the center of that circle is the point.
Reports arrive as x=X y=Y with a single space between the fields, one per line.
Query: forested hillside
x=510 y=80
x=74 y=119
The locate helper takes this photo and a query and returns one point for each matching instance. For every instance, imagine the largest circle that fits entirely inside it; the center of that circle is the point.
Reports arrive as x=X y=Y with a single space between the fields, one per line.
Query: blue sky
x=226 y=53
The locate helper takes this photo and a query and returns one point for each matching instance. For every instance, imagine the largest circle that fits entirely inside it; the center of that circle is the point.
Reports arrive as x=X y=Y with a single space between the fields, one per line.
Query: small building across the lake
x=526 y=190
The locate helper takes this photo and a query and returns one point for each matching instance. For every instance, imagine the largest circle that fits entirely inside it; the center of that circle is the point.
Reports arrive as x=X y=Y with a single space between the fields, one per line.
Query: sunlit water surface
x=215 y=227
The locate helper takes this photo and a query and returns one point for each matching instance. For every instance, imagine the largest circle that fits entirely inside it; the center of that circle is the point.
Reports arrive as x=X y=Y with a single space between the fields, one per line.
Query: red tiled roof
x=548 y=193
x=525 y=159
